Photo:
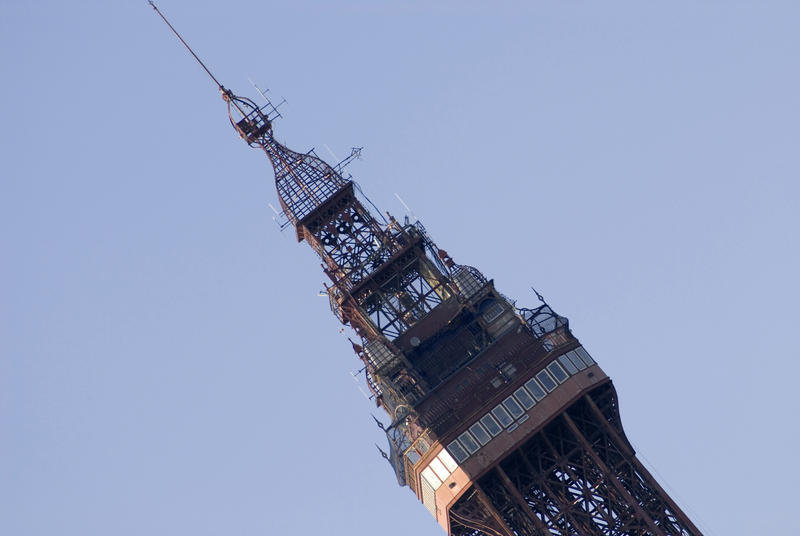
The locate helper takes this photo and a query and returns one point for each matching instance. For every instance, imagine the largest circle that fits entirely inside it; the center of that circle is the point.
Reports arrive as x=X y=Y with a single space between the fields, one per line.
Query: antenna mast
x=256 y=122
x=203 y=65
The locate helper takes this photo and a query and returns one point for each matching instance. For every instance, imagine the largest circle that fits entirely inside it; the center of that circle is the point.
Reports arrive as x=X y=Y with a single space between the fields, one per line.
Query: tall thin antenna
x=410 y=212
x=203 y=65
x=355 y=153
x=272 y=109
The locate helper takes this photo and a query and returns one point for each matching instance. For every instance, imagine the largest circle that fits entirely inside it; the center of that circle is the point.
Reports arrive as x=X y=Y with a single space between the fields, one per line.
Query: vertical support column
x=487 y=504
x=573 y=519
x=522 y=504
x=475 y=512
x=683 y=519
x=528 y=465
x=611 y=478
x=624 y=445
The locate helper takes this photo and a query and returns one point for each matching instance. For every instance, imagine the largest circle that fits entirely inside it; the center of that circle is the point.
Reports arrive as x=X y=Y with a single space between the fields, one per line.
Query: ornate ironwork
x=422 y=320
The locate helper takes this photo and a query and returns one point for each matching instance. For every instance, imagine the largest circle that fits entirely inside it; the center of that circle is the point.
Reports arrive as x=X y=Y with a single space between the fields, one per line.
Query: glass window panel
x=439 y=468
x=491 y=424
x=525 y=399
x=431 y=478
x=502 y=415
x=457 y=451
x=413 y=456
x=545 y=379
x=535 y=389
x=572 y=369
x=558 y=372
x=468 y=442
x=585 y=356
x=577 y=361
x=513 y=407
x=423 y=444
x=522 y=419
x=493 y=312
x=448 y=461
x=513 y=427
x=479 y=433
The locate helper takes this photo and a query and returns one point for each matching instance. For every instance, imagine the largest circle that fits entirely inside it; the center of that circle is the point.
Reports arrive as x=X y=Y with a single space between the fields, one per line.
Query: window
x=457 y=451
x=491 y=424
x=431 y=478
x=493 y=312
x=513 y=407
x=480 y=434
x=468 y=442
x=572 y=369
x=557 y=372
x=378 y=354
x=525 y=399
x=535 y=389
x=502 y=415
x=585 y=356
x=577 y=361
x=545 y=379
x=448 y=461
x=413 y=456
x=439 y=468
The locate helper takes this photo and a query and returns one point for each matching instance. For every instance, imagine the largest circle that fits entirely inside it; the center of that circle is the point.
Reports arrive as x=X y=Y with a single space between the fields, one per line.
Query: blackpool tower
x=501 y=422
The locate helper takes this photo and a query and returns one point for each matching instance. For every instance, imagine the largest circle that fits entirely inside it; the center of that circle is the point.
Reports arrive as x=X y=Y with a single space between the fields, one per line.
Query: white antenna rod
x=259 y=90
x=410 y=212
x=335 y=158
x=355 y=375
x=278 y=217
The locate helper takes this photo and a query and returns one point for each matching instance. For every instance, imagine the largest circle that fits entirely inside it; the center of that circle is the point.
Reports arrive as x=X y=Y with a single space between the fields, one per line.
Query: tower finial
x=541 y=298
x=203 y=65
x=248 y=119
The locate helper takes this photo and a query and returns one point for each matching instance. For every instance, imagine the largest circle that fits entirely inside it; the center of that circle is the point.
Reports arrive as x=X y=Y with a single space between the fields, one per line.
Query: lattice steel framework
x=446 y=354
x=577 y=476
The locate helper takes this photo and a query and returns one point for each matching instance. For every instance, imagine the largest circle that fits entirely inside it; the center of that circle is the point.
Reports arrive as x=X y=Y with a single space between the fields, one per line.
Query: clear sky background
x=166 y=366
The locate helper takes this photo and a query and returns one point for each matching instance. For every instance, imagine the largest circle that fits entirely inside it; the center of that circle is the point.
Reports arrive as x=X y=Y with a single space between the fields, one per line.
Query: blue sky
x=166 y=366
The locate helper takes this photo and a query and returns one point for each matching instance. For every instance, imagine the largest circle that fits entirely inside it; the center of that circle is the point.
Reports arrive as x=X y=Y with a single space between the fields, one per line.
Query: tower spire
x=252 y=122
x=501 y=421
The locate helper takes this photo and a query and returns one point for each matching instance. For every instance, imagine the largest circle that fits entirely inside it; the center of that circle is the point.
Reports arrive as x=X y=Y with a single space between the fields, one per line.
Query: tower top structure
x=304 y=181
x=500 y=421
